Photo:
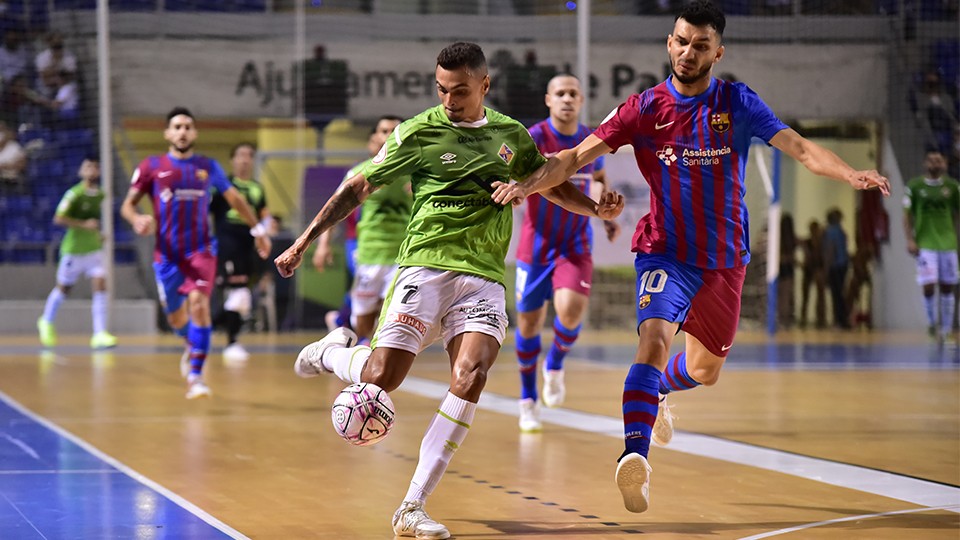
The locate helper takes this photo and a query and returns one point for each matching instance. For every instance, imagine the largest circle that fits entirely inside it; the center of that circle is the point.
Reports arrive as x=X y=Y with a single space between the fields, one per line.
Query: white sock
x=444 y=436
x=929 y=304
x=946 y=313
x=346 y=362
x=54 y=299
x=98 y=309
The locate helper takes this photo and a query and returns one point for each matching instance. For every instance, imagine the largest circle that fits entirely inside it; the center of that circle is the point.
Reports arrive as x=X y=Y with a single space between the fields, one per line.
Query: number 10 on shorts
x=652 y=281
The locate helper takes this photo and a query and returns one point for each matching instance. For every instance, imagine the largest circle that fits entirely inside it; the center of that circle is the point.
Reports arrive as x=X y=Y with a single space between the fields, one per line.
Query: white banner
x=247 y=79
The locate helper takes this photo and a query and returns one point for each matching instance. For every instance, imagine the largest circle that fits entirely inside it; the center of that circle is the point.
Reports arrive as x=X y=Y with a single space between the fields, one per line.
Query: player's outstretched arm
x=259 y=230
x=142 y=224
x=567 y=196
x=823 y=162
x=347 y=197
x=554 y=172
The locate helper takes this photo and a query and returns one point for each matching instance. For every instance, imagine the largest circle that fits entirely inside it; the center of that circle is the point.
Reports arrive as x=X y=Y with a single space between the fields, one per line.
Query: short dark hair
x=238 y=146
x=388 y=117
x=95 y=158
x=177 y=111
x=704 y=13
x=463 y=54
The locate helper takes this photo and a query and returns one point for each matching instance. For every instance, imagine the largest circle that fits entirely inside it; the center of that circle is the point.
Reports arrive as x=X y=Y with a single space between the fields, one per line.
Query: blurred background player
x=554 y=257
x=380 y=231
x=690 y=134
x=450 y=282
x=184 y=259
x=930 y=221
x=81 y=254
x=237 y=262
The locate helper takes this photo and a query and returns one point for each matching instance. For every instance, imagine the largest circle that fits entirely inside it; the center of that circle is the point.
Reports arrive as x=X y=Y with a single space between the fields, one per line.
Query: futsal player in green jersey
x=81 y=254
x=450 y=284
x=931 y=206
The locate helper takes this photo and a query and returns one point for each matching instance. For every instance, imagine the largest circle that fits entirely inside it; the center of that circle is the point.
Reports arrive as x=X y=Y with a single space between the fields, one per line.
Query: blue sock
x=640 y=403
x=183 y=331
x=528 y=349
x=563 y=340
x=199 y=338
x=675 y=376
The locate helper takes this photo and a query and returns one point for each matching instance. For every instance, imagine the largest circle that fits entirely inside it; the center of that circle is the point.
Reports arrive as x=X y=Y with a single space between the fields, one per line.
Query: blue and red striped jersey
x=693 y=153
x=180 y=191
x=548 y=231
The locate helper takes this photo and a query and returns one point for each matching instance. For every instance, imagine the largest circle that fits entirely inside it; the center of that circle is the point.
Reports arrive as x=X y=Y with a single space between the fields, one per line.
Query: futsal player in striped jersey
x=690 y=135
x=185 y=256
x=554 y=257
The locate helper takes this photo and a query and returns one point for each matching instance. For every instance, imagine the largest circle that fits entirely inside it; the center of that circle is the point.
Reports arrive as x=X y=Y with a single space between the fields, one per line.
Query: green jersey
x=933 y=205
x=383 y=221
x=226 y=219
x=455 y=225
x=80 y=203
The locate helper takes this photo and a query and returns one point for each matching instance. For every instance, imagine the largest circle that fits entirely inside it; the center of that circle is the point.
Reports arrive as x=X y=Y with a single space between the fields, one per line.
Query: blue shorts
x=175 y=280
x=535 y=283
x=705 y=301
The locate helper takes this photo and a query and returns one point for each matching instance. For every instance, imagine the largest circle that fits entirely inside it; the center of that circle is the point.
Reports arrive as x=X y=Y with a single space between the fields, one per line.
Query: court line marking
x=885 y=484
x=788 y=530
x=113 y=462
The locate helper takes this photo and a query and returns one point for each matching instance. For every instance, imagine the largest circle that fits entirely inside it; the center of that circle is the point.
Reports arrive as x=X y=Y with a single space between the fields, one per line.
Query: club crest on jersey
x=644 y=301
x=505 y=153
x=667 y=156
x=202 y=175
x=720 y=122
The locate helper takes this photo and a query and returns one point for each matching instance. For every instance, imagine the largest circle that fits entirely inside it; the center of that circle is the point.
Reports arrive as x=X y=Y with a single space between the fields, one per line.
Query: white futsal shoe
x=412 y=520
x=663 y=427
x=633 y=479
x=309 y=361
x=196 y=388
x=554 y=390
x=530 y=416
x=235 y=352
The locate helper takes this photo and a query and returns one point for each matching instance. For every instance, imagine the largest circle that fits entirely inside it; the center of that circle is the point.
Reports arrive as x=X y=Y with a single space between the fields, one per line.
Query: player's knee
x=239 y=300
x=706 y=373
x=654 y=346
x=65 y=289
x=383 y=374
x=469 y=377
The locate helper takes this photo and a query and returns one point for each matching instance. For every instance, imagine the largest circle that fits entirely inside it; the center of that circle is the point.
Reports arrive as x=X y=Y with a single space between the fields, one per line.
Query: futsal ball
x=362 y=414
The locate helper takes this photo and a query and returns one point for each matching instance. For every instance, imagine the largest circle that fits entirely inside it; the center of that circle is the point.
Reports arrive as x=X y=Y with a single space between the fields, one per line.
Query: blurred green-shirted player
x=381 y=228
x=449 y=284
x=81 y=254
x=931 y=206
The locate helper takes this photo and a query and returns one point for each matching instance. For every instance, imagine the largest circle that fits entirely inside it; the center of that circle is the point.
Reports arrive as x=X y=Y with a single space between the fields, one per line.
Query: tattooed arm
x=347 y=197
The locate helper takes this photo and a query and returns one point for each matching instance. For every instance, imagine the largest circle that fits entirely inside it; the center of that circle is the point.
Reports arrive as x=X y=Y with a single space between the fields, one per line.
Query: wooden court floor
x=805 y=436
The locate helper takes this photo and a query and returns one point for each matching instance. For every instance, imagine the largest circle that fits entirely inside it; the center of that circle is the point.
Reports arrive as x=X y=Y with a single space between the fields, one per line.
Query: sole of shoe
x=633 y=473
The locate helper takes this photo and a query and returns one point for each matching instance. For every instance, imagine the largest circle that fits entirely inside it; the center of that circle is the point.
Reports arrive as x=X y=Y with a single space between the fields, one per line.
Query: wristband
x=258 y=230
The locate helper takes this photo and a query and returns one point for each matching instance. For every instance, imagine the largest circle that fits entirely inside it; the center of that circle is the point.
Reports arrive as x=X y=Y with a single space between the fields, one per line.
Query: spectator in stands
x=52 y=61
x=13 y=159
x=16 y=102
x=935 y=112
x=15 y=59
x=63 y=110
x=837 y=260
x=814 y=275
x=786 y=300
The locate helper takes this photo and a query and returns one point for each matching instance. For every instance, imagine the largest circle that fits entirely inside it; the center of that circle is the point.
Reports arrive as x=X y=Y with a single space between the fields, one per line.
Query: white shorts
x=73 y=266
x=371 y=283
x=937 y=267
x=426 y=304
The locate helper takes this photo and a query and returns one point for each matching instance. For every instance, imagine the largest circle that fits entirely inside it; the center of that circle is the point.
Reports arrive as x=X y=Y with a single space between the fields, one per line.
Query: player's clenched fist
x=288 y=261
x=610 y=205
x=144 y=225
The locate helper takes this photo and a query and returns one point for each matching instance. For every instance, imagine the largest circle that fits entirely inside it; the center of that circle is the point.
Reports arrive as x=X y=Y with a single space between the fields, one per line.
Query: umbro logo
x=667 y=156
x=448 y=158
